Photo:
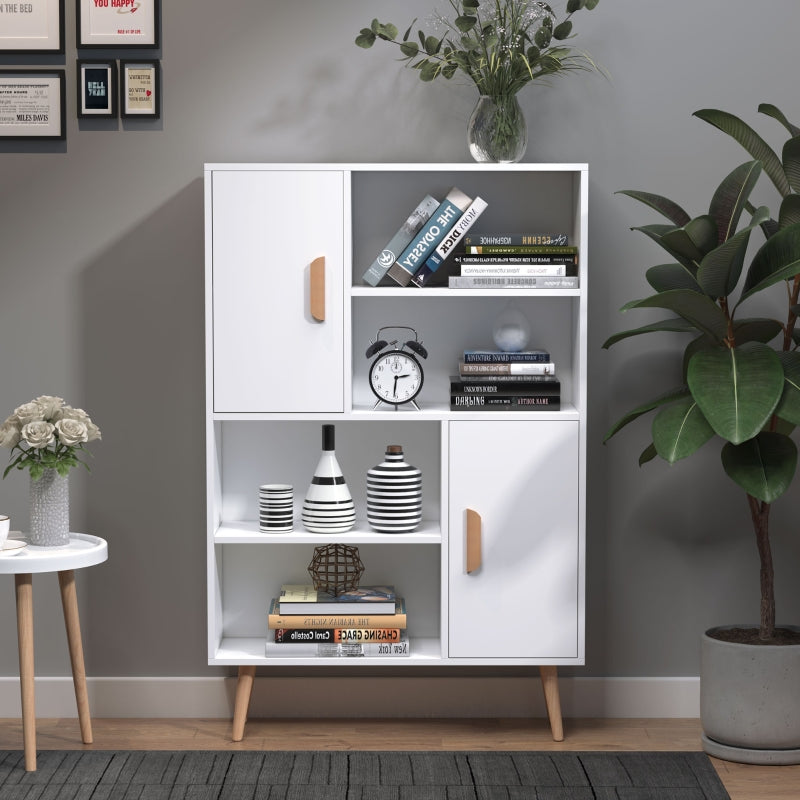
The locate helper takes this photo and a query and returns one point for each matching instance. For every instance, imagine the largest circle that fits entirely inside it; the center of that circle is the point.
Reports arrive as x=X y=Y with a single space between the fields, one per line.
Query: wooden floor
x=743 y=782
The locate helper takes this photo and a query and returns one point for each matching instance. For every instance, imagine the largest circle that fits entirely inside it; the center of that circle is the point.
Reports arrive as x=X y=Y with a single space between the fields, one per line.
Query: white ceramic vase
x=328 y=506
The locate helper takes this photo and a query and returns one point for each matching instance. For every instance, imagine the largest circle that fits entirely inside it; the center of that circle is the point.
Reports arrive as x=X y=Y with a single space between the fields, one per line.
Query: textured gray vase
x=49 y=504
x=750 y=701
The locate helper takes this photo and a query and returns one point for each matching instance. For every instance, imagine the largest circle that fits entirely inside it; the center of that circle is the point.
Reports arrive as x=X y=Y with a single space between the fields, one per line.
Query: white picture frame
x=118 y=23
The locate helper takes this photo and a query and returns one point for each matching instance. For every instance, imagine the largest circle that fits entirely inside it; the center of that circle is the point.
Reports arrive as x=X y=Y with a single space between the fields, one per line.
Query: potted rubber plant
x=740 y=390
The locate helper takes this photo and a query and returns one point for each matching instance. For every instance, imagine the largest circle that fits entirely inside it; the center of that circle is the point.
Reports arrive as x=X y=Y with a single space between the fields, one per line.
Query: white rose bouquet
x=47 y=434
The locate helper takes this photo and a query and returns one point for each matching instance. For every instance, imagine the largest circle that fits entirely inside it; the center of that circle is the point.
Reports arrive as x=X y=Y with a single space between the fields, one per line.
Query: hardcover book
x=489 y=402
x=419 y=216
x=516 y=386
x=512 y=282
x=425 y=242
x=305 y=599
x=447 y=244
x=509 y=368
x=336 y=635
x=517 y=239
x=361 y=619
x=491 y=356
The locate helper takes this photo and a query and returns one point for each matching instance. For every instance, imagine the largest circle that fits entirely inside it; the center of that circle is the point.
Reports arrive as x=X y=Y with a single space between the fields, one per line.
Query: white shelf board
x=398 y=291
x=246 y=650
x=441 y=411
x=247 y=532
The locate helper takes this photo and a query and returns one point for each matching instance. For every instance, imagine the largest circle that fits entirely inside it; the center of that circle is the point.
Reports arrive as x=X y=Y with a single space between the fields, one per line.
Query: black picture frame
x=98 y=89
x=33 y=27
x=136 y=78
x=33 y=104
x=116 y=27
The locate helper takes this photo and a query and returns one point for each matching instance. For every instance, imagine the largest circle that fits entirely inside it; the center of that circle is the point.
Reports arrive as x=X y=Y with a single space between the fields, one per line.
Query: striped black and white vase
x=328 y=506
x=394 y=494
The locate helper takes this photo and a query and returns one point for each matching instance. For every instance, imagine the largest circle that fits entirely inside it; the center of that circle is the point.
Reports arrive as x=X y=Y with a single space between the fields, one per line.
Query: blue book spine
x=442 y=220
x=418 y=217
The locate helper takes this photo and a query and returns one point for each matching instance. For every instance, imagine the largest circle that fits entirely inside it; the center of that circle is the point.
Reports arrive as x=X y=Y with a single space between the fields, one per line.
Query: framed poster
x=35 y=26
x=118 y=23
x=140 y=89
x=97 y=89
x=32 y=104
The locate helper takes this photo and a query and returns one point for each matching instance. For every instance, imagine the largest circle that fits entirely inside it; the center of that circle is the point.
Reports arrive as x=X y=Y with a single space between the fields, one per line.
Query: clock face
x=395 y=377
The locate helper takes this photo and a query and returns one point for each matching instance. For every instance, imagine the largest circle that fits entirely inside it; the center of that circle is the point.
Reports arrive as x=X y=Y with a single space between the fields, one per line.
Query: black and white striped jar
x=394 y=494
x=328 y=506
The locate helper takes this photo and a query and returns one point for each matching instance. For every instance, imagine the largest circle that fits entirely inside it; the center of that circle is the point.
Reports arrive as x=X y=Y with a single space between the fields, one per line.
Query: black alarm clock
x=396 y=375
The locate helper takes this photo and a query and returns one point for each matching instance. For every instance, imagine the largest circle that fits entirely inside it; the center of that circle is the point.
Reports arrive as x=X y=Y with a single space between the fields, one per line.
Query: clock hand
x=394 y=393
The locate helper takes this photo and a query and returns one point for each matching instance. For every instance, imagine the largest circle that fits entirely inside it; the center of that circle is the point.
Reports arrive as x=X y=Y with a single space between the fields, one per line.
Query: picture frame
x=118 y=23
x=140 y=89
x=33 y=26
x=97 y=89
x=33 y=104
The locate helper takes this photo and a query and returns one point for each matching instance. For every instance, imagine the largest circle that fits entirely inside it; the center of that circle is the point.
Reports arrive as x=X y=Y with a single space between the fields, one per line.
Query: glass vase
x=497 y=132
x=49 y=505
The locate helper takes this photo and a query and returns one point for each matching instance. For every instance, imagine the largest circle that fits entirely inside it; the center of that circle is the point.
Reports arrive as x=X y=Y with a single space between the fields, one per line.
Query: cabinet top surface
x=431 y=167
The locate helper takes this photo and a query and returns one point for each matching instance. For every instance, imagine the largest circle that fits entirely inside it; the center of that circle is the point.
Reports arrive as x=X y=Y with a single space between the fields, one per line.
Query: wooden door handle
x=473 y=540
x=317 y=293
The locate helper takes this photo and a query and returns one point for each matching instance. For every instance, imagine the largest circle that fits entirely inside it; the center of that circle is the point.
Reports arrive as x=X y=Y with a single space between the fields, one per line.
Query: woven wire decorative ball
x=335 y=568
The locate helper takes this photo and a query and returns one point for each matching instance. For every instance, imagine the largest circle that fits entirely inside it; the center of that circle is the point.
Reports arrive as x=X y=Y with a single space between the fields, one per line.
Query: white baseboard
x=361 y=697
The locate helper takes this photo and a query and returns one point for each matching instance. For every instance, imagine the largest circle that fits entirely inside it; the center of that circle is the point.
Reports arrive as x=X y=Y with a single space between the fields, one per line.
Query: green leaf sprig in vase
x=46 y=433
x=500 y=46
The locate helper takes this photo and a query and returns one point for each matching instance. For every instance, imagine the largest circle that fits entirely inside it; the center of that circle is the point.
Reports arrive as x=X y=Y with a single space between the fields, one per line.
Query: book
x=418 y=217
x=425 y=241
x=503 y=249
x=490 y=356
x=491 y=402
x=518 y=368
x=517 y=239
x=514 y=270
x=305 y=599
x=500 y=381
x=512 y=282
x=360 y=620
x=339 y=650
x=520 y=258
x=464 y=385
x=336 y=635
x=445 y=248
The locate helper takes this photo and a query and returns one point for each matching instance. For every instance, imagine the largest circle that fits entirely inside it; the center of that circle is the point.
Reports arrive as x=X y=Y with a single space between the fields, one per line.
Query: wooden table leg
x=244 y=687
x=69 y=602
x=24 y=589
x=552 y=700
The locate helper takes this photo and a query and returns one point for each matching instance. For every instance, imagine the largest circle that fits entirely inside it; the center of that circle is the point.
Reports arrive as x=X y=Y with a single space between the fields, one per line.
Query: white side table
x=83 y=551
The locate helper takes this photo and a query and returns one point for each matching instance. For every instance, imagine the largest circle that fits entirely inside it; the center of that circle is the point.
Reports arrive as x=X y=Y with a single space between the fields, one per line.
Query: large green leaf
x=671 y=210
x=696 y=308
x=668 y=397
x=694 y=240
x=756 y=329
x=648 y=454
x=763 y=466
x=774 y=112
x=751 y=141
x=720 y=269
x=676 y=324
x=790 y=210
x=679 y=430
x=789 y=406
x=657 y=233
x=730 y=198
x=737 y=389
x=778 y=259
x=664 y=277
x=791 y=162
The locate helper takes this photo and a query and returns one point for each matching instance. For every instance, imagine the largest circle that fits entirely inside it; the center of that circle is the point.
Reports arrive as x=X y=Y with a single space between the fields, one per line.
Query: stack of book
x=516 y=261
x=493 y=380
x=428 y=237
x=368 y=621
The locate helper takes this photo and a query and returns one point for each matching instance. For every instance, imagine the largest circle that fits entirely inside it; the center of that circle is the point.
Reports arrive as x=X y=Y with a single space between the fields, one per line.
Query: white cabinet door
x=521 y=478
x=270 y=354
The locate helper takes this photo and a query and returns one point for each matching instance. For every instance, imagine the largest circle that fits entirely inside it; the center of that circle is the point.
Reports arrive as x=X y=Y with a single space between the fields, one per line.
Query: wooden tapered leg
x=244 y=687
x=24 y=589
x=69 y=602
x=552 y=700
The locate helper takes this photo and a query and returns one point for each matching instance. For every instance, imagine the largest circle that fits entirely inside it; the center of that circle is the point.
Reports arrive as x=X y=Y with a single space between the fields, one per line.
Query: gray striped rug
x=362 y=775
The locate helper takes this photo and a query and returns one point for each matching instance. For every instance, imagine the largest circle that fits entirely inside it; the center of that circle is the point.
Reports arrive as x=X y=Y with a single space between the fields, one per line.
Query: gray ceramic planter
x=750 y=701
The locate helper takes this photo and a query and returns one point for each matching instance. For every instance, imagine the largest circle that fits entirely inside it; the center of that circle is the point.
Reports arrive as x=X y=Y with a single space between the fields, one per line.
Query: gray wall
x=101 y=297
